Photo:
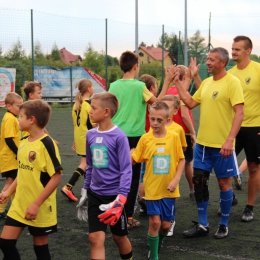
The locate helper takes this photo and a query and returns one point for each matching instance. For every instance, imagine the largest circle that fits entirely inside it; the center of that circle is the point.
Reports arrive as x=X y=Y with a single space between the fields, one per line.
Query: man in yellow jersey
x=248 y=138
x=221 y=113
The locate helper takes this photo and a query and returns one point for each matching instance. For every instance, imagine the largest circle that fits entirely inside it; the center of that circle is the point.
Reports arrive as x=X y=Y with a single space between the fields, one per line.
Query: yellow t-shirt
x=24 y=134
x=217 y=98
x=250 y=81
x=179 y=130
x=38 y=162
x=9 y=128
x=82 y=124
x=161 y=156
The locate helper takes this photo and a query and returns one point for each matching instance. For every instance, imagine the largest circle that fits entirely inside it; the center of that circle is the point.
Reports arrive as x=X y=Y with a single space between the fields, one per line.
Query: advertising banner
x=61 y=85
x=7 y=83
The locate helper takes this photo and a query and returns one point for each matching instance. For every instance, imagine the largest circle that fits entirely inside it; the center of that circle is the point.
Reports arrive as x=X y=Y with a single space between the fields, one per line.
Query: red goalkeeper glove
x=112 y=210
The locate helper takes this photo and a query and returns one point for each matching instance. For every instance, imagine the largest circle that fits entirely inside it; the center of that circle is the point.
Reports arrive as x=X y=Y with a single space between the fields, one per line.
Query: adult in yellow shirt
x=221 y=113
x=248 y=138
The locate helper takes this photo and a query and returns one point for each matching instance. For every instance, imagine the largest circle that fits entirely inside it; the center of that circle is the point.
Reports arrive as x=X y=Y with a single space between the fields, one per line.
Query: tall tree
x=38 y=53
x=55 y=53
x=16 y=52
x=142 y=44
x=171 y=43
x=166 y=39
x=196 y=46
x=93 y=59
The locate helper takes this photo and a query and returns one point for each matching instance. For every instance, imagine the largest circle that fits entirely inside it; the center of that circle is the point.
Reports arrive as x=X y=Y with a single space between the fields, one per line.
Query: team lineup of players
x=116 y=131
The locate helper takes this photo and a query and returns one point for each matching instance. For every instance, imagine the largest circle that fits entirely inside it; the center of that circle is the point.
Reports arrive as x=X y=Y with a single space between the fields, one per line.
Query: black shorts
x=34 y=231
x=249 y=140
x=94 y=201
x=189 y=150
x=10 y=174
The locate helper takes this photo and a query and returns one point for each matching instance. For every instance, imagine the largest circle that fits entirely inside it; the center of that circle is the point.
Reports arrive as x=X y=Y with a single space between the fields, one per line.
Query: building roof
x=154 y=52
x=68 y=57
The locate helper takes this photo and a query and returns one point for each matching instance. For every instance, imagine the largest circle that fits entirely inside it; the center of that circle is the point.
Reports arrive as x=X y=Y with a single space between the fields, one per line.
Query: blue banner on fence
x=61 y=85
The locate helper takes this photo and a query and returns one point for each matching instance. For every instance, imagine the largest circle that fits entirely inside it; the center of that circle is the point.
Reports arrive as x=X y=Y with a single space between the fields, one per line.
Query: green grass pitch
x=71 y=241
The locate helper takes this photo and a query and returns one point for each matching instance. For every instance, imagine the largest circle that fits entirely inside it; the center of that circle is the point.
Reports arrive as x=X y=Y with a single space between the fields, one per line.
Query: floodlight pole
x=185 y=37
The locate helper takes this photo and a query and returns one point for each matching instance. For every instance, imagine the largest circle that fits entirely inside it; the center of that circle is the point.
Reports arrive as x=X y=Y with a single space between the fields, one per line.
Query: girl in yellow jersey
x=82 y=123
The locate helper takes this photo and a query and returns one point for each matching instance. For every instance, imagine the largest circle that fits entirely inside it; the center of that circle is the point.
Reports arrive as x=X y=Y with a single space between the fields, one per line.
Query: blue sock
x=226 y=198
x=202 y=208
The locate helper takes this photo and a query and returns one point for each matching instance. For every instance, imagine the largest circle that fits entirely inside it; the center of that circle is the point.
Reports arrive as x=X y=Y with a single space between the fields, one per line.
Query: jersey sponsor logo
x=160 y=144
x=161 y=164
x=25 y=167
x=99 y=156
x=215 y=94
x=32 y=156
x=248 y=80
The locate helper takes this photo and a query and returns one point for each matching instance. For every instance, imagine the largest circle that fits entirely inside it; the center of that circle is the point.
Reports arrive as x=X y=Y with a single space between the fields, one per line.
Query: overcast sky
x=229 y=17
x=150 y=11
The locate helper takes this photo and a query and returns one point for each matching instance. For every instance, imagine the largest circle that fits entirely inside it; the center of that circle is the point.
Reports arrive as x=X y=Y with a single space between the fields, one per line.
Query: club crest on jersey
x=214 y=94
x=248 y=80
x=32 y=156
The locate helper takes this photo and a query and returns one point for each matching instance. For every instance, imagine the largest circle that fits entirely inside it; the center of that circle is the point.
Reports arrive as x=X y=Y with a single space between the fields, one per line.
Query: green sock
x=153 y=245
x=161 y=237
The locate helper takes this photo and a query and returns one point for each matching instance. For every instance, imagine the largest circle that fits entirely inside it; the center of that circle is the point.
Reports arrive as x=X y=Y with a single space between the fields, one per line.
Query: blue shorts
x=164 y=207
x=143 y=168
x=206 y=158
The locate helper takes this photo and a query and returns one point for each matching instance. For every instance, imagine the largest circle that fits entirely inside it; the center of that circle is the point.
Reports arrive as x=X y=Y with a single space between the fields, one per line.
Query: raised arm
x=166 y=84
x=181 y=87
x=194 y=72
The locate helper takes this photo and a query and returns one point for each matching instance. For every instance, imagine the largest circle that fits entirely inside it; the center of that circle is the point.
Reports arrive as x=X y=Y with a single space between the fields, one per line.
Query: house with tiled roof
x=68 y=57
x=151 y=54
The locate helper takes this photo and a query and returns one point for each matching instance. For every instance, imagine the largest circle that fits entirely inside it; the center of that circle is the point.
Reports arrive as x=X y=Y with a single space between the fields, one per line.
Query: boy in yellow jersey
x=82 y=124
x=34 y=203
x=10 y=137
x=33 y=90
x=221 y=100
x=248 y=138
x=162 y=151
x=173 y=102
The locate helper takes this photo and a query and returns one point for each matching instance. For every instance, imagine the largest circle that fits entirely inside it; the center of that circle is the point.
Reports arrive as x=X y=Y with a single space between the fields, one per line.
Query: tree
x=254 y=57
x=174 y=47
x=93 y=59
x=171 y=44
x=38 y=53
x=142 y=44
x=196 y=45
x=55 y=53
x=16 y=52
x=166 y=39
x=111 y=61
